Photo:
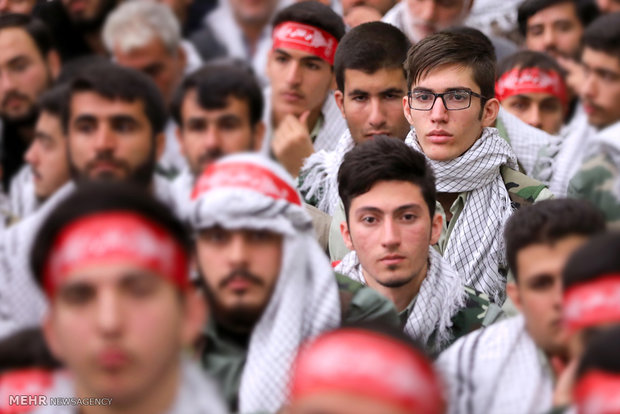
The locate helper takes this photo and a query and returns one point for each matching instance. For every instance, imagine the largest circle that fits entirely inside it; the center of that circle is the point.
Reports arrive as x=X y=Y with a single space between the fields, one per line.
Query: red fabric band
x=598 y=392
x=368 y=364
x=592 y=303
x=246 y=176
x=310 y=39
x=530 y=80
x=115 y=236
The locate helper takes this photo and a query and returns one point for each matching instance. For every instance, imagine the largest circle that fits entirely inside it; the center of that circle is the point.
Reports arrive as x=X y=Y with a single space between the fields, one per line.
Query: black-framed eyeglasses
x=452 y=100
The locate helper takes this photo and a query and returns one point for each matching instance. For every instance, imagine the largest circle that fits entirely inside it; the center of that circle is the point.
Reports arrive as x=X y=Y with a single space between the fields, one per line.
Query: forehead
x=448 y=76
x=16 y=41
x=297 y=54
x=390 y=195
x=232 y=106
x=381 y=79
x=153 y=49
x=561 y=11
x=533 y=96
x=598 y=59
x=93 y=104
x=47 y=122
x=108 y=273
x=546 y=258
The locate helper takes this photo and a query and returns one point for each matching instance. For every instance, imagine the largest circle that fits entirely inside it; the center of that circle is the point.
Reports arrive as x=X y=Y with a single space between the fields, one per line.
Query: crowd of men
x=303 y=207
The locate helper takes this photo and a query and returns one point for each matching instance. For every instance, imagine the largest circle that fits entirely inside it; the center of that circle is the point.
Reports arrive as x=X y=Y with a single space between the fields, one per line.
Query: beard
x=241 y=318
x=93 y=23
x=141 y=175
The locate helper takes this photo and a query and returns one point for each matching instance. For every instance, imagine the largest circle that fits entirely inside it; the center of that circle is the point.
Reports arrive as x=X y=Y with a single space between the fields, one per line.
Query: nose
x=532 y=117
x=293 y=74
x=427 y=11
x=211 y=139
x=31 y=155
x=439 y=113
x=376 y=117
x=589 y=87
x=6 y=81
x=105 y=138
x=109 y=312
x=391 y=234
x=237 y=250
x=549 y=38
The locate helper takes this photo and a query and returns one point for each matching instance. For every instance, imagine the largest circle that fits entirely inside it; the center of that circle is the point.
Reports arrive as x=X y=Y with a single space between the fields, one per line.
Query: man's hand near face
x=291 y=142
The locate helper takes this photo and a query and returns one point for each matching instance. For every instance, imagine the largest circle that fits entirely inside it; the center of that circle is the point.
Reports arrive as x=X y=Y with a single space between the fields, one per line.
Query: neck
x=159 y=396
x=446 y=200
x=403 y=295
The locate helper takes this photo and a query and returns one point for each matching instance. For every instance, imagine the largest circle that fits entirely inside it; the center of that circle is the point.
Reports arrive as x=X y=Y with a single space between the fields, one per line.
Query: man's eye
x=77 y=295
x=369 y=220
x=281 y=59
x=359 y=98
x=408 y=217
x=215 y=235
x=312 y=66
x=519 y=105
x=85 y=127
x=458 y=96
x=423 y=97
x=125 y=125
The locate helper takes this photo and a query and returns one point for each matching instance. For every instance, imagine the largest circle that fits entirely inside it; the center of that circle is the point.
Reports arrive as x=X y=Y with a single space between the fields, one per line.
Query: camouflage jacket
x=223 y=353
x=598 y=180
x=478 y=312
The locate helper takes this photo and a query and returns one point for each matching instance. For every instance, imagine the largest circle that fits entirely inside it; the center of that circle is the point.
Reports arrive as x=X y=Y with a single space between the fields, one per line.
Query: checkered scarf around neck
x=440 y=297
x=305 y=300
x=476 y=246
x=320 y=173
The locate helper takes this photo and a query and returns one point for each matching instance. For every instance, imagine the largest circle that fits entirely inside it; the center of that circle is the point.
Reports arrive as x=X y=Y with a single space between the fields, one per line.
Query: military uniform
x=598 y=180
x=223 y=353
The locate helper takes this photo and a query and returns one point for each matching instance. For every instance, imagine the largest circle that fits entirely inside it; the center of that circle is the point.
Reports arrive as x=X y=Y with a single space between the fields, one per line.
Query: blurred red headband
x=530 y=80
x=592 y=303
x=112 y=236
x=368 y=364
x=306 y=38
x=598 y=392
x=246 y=176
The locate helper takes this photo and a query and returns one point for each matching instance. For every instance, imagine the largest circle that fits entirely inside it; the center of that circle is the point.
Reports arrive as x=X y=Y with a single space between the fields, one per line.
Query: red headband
x=592 y=303
x=247 y=176
x=527 y=80
x=115 y=235
x=598 y=392
x=306 y=38
x=369 y=364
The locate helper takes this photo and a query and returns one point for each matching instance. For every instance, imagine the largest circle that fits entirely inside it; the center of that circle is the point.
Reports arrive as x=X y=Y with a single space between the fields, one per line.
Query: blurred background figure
x=346 y=371
x=531 y=85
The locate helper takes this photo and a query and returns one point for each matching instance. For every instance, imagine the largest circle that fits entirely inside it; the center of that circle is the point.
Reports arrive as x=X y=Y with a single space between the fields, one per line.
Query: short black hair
x=603 y=35
x=53 y=101
x=36 y=28
x=384 y=159
x=586 y=11
x=370 y=47
x=101 y=196
x=313 y=14
x=598 y=257
x=547 y=222
x=468 y=49
x=525 y=59
x=113 y=82
x=601 y=353
x=215 y=82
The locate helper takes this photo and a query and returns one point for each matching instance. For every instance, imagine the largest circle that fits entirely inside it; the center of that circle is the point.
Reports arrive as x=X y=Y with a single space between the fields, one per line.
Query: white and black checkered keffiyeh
x=320 y=174
x=476 y=245
x=440 y=297
x=497 y=370
x=305 y=300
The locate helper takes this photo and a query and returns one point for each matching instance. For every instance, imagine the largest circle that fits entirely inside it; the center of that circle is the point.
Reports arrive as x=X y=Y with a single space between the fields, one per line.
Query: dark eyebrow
x=451 y=89
x=406 y=207
x=357 y=92
x=18 y=58
x=282 y=52
x=392 y=90
x=369 y=209
x=85 y=117
x=311 y=59
x=40 y=135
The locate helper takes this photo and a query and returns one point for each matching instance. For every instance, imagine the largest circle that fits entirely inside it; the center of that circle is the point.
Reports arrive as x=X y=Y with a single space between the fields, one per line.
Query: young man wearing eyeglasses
x=451 y=105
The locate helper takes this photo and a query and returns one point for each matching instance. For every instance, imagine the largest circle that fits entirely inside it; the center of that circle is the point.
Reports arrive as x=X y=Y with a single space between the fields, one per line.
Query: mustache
x=13 y=94
x=243 y=274
x=208 y=157
x=107 y=157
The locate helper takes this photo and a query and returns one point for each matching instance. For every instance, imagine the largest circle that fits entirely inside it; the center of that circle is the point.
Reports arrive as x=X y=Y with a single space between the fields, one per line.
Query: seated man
x=598 y=177
x=48 y=168
x=329 y=378
x=531 y=85
x=301 y=115
x=371 y=83
x=507 y=365
x=113 y=263
x=451 y=105
x=390 y=227
x=269 y=283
